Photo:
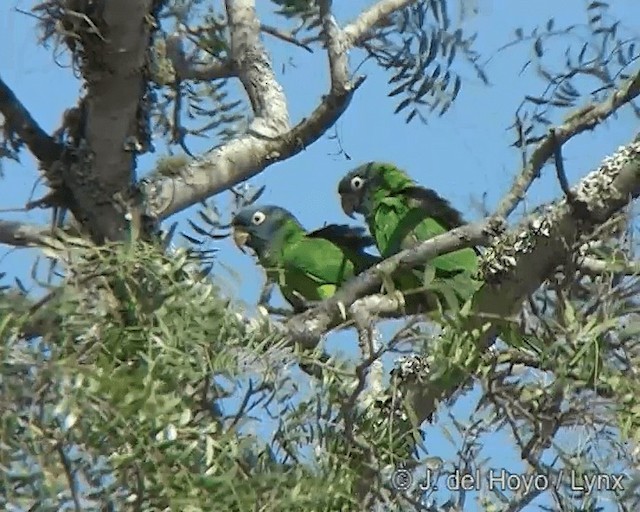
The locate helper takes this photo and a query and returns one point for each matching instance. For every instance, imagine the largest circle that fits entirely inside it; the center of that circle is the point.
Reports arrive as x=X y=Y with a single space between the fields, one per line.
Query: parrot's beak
x=348 y=203
x=240 y=238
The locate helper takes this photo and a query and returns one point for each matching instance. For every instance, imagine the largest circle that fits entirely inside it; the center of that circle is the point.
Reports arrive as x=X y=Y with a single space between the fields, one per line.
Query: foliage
x=422 y=63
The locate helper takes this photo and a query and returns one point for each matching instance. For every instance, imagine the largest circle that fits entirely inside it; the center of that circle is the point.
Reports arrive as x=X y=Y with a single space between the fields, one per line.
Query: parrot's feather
x=344 y=235
x=439 y=209
x=400 y=214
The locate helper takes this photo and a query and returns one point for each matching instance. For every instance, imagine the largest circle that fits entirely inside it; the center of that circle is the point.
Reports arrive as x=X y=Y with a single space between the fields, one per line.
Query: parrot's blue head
x=356 y=187
x=257 y=226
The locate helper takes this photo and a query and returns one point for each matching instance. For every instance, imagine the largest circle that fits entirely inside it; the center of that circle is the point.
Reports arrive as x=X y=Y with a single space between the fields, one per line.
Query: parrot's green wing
x=318 y=264
x=398 y=224
x=402 y=221
x=315 y=268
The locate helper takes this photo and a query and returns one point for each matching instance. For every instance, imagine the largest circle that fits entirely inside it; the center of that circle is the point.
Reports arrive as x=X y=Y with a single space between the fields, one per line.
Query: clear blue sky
x=463 y=155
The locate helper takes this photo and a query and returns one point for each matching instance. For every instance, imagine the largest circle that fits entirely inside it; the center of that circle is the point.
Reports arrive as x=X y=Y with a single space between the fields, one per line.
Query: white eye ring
x=356 y=183
x=258 y=218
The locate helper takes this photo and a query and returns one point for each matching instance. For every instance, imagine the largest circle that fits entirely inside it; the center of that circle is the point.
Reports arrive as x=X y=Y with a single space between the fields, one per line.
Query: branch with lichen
x=519 y=261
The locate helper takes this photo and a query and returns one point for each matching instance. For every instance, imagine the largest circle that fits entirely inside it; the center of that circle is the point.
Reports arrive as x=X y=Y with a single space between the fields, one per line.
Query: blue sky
x=463 y=155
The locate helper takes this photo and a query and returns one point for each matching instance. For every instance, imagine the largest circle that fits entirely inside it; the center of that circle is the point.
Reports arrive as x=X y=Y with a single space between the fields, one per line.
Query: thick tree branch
x=22 y=234
x=586 y=118
x=540 y=244
x=18 y=120
x=595 y=266
x=269 y=138
x=253 y=66
x=337 y=48
x=114 y=66
x=357 y=30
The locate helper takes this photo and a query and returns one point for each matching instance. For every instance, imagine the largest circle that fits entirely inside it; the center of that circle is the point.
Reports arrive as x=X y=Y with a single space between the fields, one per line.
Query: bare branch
x=357 y=30
x=279 y=34
x=21 y=234
x=19 y=120
x=595 y=266
x=585 y=119
x=336 y=48
x=253 y=66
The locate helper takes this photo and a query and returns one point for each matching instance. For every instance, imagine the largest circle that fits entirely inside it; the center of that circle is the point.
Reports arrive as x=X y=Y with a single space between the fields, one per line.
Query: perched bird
x=307 y=266
x=400 y=214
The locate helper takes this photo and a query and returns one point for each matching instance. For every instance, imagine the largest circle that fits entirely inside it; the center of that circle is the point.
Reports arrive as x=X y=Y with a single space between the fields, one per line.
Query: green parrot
x=307 y=266
x=400 y=214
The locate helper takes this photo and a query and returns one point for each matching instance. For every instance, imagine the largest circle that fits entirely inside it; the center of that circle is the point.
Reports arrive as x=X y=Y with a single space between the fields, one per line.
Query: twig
x=19 y=121
x=586 y=118
x=69 y=473
x=279 y=34
x=559 y=161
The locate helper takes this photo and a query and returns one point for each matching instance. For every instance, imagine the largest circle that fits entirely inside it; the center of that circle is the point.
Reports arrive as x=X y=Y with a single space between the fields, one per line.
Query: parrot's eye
x=356 y=183
x=258 y=218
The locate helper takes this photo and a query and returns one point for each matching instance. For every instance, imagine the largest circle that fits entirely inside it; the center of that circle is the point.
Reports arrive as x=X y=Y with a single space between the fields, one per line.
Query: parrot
x=400 y=214
x=307 y=266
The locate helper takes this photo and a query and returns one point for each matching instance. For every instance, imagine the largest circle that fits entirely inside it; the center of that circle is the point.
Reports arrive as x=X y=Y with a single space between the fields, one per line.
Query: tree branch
x=337 y=48
x=22 y=234
x=279 y=34
x=269 y=138
x=253 y=65
x=19 y=120
x=358 y=29
x=524 y=258
x=186 y=69
x=586 y=118
x=595 y=266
